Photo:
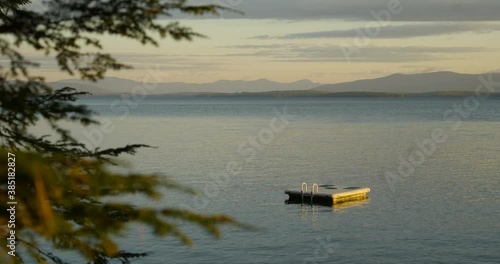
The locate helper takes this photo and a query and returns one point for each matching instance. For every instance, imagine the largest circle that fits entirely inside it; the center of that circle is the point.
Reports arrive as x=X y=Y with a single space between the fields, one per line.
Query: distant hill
x=284 y=94
x=447 y=83
x=411 y=83
x=313 y=94
x=112 y=85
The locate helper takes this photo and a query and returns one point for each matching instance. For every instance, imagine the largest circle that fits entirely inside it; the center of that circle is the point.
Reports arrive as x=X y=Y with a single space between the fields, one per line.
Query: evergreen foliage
x=60 y=182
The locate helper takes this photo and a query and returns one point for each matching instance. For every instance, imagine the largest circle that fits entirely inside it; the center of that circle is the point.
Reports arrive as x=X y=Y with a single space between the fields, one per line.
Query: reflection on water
x=309 y=212
x=362 y=202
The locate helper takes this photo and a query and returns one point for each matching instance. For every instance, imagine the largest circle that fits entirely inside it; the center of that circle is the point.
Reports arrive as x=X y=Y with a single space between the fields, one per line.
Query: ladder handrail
x=302 y=187
x=317 y=188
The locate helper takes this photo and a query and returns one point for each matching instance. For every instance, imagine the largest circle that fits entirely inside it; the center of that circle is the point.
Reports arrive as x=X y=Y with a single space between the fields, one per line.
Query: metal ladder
x=302 y=190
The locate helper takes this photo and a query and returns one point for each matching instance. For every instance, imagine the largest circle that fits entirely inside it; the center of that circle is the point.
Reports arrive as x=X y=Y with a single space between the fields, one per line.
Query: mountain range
x=113 y=85
x=412 y=83
x=395 y=83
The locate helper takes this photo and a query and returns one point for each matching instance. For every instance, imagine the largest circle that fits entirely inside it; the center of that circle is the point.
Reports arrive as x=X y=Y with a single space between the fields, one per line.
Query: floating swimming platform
x=326 y=194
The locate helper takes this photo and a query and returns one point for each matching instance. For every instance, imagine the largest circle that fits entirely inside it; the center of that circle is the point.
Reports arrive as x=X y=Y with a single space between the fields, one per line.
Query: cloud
x=299 y=53
x=412 y=10
x=396 y=31
x=141 y=61
x=416 y=10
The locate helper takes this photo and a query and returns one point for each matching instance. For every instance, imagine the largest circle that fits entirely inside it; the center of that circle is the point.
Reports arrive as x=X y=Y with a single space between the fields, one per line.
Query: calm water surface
x=445 y=208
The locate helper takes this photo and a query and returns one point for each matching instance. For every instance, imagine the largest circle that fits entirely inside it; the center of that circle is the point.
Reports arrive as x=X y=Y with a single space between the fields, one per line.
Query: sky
x=326 y=41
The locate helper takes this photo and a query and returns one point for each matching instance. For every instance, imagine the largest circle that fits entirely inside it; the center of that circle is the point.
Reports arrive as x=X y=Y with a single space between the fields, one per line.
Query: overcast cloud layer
x=412 y=10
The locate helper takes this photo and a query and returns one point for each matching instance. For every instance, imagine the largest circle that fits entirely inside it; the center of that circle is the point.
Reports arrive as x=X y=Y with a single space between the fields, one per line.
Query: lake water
x=433 y=166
